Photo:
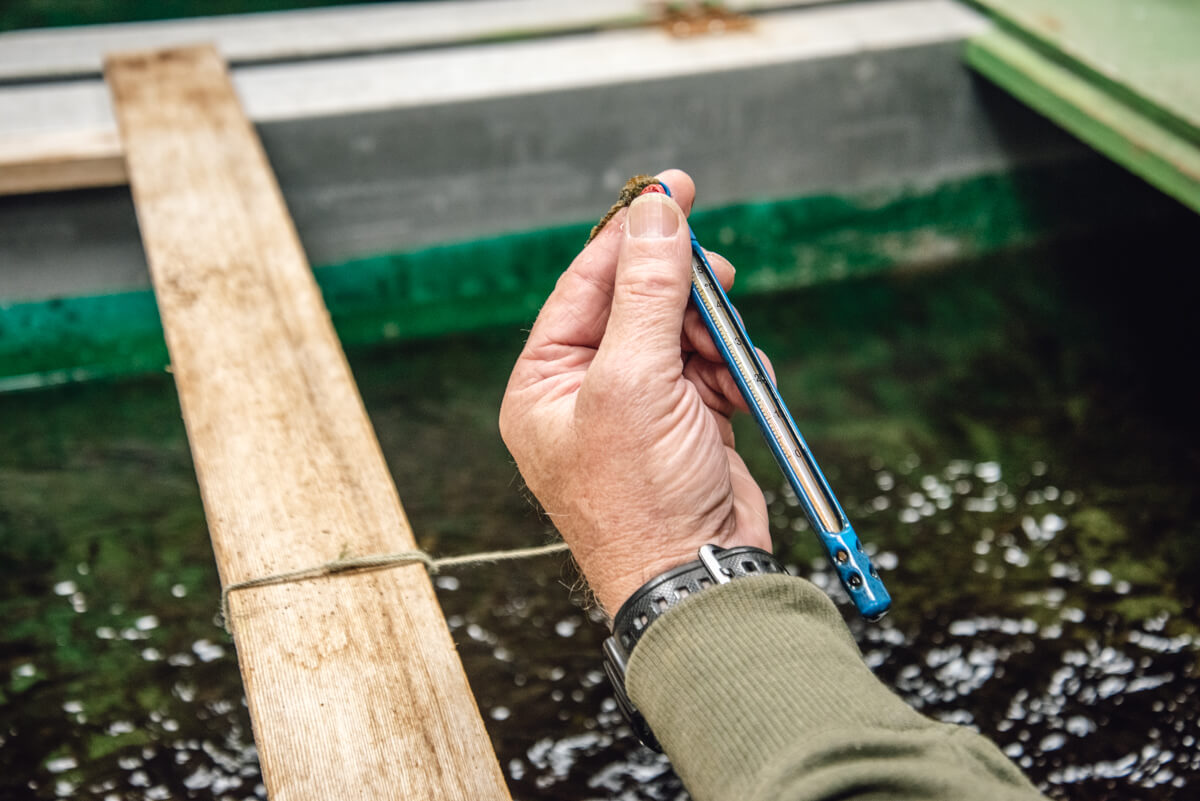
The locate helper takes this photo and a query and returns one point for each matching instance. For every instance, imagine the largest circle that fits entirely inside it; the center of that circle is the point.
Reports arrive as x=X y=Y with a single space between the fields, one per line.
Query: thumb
x=652 y=285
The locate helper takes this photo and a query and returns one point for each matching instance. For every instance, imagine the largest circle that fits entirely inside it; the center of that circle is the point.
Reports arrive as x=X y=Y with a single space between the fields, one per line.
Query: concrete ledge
x=826 y=100
x=58 y=53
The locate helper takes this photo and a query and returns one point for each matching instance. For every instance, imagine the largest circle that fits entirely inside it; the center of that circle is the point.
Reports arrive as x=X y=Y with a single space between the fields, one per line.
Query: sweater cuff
x=742 y=671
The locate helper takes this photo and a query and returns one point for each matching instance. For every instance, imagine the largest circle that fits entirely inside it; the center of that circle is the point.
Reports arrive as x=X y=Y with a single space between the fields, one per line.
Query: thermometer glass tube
x=791 y=452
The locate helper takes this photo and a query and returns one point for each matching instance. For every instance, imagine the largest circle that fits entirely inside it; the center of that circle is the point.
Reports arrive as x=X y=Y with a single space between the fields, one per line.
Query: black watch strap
x=661 y=594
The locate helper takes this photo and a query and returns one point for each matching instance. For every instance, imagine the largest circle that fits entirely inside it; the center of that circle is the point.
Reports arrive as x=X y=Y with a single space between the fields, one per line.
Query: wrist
x=612 y=592
x=614 y=582
x=661 y=594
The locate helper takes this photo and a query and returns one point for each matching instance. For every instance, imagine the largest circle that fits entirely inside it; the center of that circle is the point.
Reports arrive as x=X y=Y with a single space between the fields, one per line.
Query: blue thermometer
x=833 y=529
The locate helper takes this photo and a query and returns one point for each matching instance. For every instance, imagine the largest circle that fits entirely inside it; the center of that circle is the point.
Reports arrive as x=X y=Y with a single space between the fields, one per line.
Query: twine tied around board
x=352 y=564
x=346 y=564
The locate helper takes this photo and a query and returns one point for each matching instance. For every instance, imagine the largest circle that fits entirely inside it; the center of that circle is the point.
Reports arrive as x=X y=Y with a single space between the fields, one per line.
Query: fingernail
x=652 y=216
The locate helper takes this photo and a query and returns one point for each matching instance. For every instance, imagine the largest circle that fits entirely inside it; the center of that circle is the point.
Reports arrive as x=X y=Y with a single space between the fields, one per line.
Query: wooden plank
x=63 y=160
x=1139 y=142
x=354 y=687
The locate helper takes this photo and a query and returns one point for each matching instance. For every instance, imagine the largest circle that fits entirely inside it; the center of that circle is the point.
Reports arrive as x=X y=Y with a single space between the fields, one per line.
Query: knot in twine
x=354 y=564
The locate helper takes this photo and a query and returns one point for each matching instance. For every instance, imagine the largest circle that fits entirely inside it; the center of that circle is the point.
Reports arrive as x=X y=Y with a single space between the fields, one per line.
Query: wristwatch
x=661 y=594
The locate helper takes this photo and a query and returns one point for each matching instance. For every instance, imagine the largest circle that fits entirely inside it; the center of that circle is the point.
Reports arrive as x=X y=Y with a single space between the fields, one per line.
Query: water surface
x=1016 y=439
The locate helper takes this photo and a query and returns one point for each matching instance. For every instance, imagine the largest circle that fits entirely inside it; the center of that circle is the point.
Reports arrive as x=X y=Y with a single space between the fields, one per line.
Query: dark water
x=1017 y=439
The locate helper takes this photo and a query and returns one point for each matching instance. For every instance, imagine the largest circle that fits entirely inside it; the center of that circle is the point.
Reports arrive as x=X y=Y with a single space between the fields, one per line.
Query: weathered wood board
x=354 y=686
x=64 y=160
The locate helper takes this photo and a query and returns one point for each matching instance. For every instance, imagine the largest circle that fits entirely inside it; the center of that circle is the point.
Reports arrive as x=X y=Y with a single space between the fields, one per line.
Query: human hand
x=617 y=411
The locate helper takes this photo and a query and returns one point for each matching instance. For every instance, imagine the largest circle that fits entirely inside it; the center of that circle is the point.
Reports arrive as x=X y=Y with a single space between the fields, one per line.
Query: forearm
x=757 y=692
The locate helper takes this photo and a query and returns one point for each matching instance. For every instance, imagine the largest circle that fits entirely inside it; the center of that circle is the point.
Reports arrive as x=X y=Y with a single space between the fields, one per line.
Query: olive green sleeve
x=757 y=692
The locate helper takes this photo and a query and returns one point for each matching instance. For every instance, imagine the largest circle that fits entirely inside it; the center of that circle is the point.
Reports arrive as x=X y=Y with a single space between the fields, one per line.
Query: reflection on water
x=1033 y=509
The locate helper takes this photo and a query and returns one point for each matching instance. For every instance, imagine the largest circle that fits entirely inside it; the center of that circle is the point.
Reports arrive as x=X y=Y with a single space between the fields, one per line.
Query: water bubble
x=1064 y=570
x=180 y=660
x=1052 y=523
x=178 y=590
x=146 y=623
x=61 y=764
x=64 y=588
x=1100 y=577
x=1079 y=726
x=887 y=560
x=1052 y=742
x=957 y=468
x=963 y=628
x=988 y=472
x=500 y=713
x=1073 y=615
x=207 y=651
x=449 y=583
x=1016 y=557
